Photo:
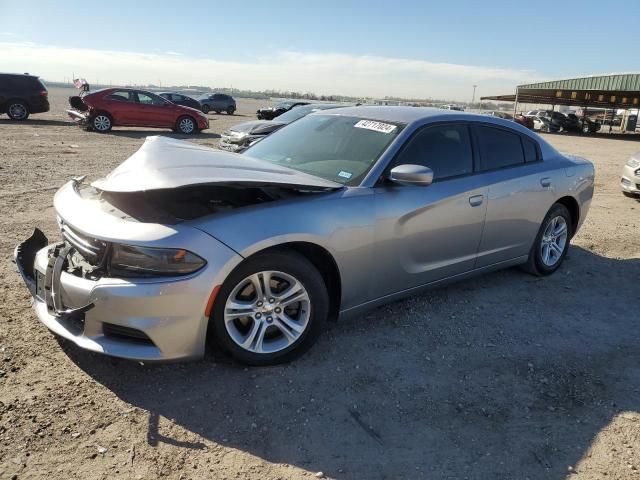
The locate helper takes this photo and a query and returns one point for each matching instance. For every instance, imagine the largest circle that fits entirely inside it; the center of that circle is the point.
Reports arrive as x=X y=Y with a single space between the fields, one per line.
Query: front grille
x=92 y=249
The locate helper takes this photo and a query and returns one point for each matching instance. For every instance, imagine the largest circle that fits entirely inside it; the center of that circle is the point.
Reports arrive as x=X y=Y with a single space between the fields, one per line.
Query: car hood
x=257 y=127
x=163 y=163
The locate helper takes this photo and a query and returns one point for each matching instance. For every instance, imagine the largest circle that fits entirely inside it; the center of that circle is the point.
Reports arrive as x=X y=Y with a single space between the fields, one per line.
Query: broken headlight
x=131 y=261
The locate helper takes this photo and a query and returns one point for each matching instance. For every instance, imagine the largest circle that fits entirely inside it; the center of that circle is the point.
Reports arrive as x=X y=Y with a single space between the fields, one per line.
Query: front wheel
x=552 y=242
x=186 y=125
x=230 y=110
x=270 y=309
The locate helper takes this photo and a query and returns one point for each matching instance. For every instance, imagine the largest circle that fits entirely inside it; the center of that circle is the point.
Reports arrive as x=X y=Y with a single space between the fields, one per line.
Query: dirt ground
x=505 y=376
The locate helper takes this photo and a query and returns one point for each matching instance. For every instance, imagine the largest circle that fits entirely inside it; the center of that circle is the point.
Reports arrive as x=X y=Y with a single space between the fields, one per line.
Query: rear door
x=154 y=111
x=121 y=106
x=520 y=190
x=424 y=234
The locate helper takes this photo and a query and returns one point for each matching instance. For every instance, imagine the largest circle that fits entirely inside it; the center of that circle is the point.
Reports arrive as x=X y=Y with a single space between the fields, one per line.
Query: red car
x=111 y=107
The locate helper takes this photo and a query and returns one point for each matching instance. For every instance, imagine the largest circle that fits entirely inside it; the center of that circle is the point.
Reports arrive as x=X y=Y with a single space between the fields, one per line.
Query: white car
x=630 y=181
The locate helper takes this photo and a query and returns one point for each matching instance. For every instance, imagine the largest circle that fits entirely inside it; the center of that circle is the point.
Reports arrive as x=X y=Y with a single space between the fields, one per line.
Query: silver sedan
x=336 y=213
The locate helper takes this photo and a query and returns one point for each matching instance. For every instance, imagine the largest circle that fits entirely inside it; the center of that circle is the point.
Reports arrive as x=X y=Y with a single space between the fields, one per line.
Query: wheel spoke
x=266 y=282
x=290 y=323
x=556 y=248
x=253 y=335
x=257 y=285
x=545 y=253
x=294 y=293
x=560 y=229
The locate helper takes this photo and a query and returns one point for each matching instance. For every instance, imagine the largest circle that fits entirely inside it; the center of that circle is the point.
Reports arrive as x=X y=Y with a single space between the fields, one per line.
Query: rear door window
x=445 y=149
x=119 y=96
x=499 y=148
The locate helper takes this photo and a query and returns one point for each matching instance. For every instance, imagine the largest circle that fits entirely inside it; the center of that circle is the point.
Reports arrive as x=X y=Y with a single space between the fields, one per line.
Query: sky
x=406 y=48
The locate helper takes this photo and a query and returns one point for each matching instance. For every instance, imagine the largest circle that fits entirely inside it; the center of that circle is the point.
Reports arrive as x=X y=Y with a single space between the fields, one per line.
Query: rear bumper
x=80 y=117
x=39 y=105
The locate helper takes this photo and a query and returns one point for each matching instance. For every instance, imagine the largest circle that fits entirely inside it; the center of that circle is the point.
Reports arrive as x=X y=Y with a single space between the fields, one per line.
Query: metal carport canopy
x=608 y=91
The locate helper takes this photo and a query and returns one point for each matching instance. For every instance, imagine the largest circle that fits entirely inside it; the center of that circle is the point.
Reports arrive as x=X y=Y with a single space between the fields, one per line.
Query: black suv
x=21 y=95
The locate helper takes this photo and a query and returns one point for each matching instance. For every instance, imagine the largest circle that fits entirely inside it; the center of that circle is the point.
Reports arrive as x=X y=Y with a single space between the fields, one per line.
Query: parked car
x=22 y=95
x=548 y=121
x=180 y=99
x=104 y=109
x=452 y=107
x=630 y=179
x=573 y=123
x=218 y=102
x=519 y=118
x=241 y=136
x=257 y=251
x=269 y=113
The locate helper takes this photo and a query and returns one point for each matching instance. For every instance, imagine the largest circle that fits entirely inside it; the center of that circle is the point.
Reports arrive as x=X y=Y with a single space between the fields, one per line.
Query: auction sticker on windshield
x=376 y=126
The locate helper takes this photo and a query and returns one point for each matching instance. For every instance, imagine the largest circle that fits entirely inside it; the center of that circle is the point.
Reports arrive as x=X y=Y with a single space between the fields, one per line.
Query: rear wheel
x=270 y=309
x=552 y=242
x=186 y=125
x=205 y=109
x=230 y=110
x=18 y=110
x=101 y=122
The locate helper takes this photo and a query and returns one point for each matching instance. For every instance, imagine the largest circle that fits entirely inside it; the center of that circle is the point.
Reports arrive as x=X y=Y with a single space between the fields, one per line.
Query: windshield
x=333 y=147
x=295 y=113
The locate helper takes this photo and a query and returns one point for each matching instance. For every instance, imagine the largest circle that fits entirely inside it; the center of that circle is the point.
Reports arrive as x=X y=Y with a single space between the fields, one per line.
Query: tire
x=101 y=122
x=544 y=261
x=262 y=327
x=186 y=125
x=17 y=110
x=205 y=109
x=230 y=110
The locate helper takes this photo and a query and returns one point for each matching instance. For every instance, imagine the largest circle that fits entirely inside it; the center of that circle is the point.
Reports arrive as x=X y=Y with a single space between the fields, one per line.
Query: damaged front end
x=133 y=273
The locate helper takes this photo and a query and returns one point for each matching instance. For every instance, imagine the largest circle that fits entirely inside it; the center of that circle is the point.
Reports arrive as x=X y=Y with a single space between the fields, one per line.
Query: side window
x=530 y=150
x=445 y=149
x=146 y=99
x=119 y=96
x=499 y=148
x=178 y=98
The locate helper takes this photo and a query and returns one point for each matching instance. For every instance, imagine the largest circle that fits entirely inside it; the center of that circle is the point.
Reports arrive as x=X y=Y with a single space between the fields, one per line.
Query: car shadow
x=164 y=133
x=502 y=376
x=37 y=122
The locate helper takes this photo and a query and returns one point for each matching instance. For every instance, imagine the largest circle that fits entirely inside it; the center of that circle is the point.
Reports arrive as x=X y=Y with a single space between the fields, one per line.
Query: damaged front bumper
x=144 y=319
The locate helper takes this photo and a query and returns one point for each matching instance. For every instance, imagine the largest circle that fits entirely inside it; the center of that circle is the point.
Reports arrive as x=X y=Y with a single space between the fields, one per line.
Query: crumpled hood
x=257 y=127
x=163 y=162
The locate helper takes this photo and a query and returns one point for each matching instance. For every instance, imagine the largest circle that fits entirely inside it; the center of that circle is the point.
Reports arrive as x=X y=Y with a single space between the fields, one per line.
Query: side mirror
x=411 y=175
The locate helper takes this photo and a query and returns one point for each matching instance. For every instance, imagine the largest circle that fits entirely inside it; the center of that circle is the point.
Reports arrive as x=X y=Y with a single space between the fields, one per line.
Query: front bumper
x=629 y=181
x=136 y=319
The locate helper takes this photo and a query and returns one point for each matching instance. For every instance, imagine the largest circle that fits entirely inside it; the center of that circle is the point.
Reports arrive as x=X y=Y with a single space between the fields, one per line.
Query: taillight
x=44 y=93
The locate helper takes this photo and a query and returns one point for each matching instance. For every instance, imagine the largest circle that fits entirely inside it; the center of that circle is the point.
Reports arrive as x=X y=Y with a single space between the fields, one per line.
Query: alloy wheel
x=186 y=125
x=17 y=111
x=102 y=123
x=267 y=312
x=554 y=241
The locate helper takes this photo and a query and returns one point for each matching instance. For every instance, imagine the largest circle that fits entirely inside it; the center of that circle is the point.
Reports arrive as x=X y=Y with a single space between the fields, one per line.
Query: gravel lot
x=505 y=376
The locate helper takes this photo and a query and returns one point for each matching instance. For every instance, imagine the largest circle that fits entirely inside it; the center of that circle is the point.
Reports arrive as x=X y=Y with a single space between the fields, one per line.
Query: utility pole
x=473 y=99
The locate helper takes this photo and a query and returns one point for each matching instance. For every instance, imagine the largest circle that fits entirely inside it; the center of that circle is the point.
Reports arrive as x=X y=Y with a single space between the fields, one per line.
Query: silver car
x=336 y=213
x=630 y=179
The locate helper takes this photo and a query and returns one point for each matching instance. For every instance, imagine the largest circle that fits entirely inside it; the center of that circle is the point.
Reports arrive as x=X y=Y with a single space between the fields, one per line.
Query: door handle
x=545 y=182
x=476 y=200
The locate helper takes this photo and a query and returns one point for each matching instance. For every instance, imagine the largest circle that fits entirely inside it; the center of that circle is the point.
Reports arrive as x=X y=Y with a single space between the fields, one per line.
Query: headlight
x=633 y=162
x=131 y=261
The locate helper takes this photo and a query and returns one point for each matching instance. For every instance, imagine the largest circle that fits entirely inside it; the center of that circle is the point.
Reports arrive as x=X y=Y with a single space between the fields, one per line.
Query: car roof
x=399 y=114
x=19 y=74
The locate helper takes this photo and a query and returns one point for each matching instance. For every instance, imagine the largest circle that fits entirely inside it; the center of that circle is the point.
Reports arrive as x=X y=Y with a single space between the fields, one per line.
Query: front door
x=428 y=233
